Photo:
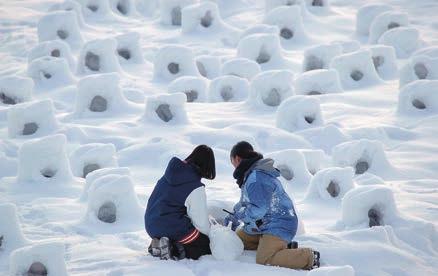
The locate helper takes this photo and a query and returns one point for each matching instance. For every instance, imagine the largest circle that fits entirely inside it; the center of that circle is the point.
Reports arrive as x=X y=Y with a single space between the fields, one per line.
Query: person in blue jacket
x=267 y=212
x=176 y=216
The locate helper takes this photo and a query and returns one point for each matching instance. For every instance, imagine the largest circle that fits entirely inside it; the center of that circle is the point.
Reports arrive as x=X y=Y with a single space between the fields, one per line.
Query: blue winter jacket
x=166 y=214
x=264 y=206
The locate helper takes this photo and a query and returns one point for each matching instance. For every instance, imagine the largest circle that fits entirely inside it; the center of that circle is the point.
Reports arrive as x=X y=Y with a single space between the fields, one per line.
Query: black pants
x=198 y=247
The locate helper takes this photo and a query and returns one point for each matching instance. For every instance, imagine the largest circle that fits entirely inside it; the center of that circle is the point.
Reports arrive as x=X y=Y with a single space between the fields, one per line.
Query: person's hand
x=233 y=220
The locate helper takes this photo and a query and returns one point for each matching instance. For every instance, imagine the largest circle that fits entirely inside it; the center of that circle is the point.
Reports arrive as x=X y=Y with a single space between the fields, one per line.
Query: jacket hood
x=179 y=172
x=266 y=165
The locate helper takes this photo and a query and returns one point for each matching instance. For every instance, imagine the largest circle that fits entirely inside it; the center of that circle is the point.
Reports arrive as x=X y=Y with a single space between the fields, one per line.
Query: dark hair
x=244 y=150
x=202 y=158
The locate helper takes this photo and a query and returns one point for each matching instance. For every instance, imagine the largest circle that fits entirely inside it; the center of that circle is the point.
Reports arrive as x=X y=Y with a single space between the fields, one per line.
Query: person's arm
x=196 y=204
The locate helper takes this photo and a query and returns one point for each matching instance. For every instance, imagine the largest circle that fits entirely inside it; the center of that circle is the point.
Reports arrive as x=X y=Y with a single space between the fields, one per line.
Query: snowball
x=299 y=112
x=241 y=67
x=11 y=236
x=289 y=22
x=99 y=56
x=202 y=17
x=171 y=11
x=94 y=175
x=44 y=160
x=292 y=166
x=419 y=97
x=174 y=61
x=97 y=10
x=225 y=245
x=70 y=5
x=54 y=48
x=332 y=271
x=386 y=21
x=50 y=72
x=385 y=61
x=31 y=119
x=15 y=89
x=228 y=89
x=331 y=183
x=271 y=88
x=366 y=15
x=370 y=205
x=46 y=258
x=317 y=82
x=195 y=88
x=128 y=48
x=90 y=157
x=260 y=29
x=123 y=7
x=363 y=155
x=208 y=66
x=356 y=69
x=320 y=56
x=405 y=40
x=272 y=4
x=264 y=49
x=166 y=109
x=419 y=68
x=60 y=25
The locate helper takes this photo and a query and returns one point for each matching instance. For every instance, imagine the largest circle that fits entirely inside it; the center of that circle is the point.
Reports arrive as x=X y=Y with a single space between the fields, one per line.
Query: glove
x=233 y=220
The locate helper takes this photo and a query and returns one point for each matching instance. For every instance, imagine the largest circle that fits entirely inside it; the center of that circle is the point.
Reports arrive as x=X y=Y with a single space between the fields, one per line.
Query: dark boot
x=316 y=259
x=154 y=248
x=165 y=249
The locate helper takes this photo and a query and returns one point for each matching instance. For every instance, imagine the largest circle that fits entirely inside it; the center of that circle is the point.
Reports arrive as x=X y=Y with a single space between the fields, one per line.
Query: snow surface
x=50 y=214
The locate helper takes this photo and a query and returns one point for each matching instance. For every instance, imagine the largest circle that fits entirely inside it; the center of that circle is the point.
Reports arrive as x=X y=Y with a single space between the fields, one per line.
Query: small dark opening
x=378 y=61
x=164 y=113
x=286 y=33
x=393 y=25
x=173 y=68
x=1 y=241
x=98 y=104
x=333 y=189
x=192 y=95
x=201 y=69
x=207 y=20
x=93 y=8
x=309 y=119
x=62 y=34
x=37 y=269
x=89 y=168
x=7 y=100
x=318 y=3
x=124 y=53
x=176 y=16
x=313 y=63
x=30 y=128
x=421 y=71
x=92 y=61
x=356 y=75
x=362 y=167
x=48 y=173
x=122 y=8
x=55 y=53
x=107 y=212
x=285 y=172
x=227 y=93
x=263 y=57
x=418 y=104
x=47 y=75
x=313 y=93
x=375 y=217
x=273 y=98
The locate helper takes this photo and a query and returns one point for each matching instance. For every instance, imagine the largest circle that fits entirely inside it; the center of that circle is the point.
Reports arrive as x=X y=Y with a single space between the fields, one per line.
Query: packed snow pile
x=90 y=157
x=174 y=61
x=331 y=183
x=228 y=89
x=11 y=235
x=292 y=166
x=50 y=72
x=15 y=90
x=318 y=82
x=99 y=56
x=419 y=97
x=166 y=109
x=195 y=88
x=224 y=243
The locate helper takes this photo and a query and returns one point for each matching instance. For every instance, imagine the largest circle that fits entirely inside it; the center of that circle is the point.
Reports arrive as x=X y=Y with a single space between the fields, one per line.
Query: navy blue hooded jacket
x=166 y=214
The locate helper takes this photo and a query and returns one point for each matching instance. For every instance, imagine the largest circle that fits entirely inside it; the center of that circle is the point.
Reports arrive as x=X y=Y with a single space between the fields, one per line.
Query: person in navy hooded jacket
x=176 y=216
x=267 y=212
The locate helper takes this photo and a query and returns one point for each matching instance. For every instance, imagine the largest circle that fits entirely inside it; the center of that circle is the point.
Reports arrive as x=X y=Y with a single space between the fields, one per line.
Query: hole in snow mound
x=122 y=8
x=421 y=71
x=89 y=168
x=93 y=8
x=98 y=104
x=173 y=68
x=92 y=61
x=393 y=25
x=37 y=269
x=48 y=173
x=361 y=167
x=55 y=53
x=273 y=98
x=227 y=93
x=164 y=113
x=318 y=3
x=30 y=128
x=313 y=93
x=290 y=3
x=309 y=119
x=124 y=53
x=286 y=33
x=201 y=69
x=46 y=75
x=356 y=75
x=7 y=100
x=375 y=217
x=107 y=212
x=192 y=95
x=207 y=20
x=285 y=172
x=418 y=104
x=263 y=57
x=333 y=189
x=176 y=16
x=1 y=241
x=62 y=34
x=314 y=63
x=378 y=61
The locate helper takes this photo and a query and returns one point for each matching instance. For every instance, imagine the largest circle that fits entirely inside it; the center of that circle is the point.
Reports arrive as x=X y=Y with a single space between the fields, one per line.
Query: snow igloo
x=128 y=48
x=44 y=160
x=418 y=98
x=292 y=166
x=241 y=67
x=32 y=119
x=356 y=69
x=273 y=4
x=90 y=157
x=318 y=82
x=70 y=5
x=405 y=40
x=299 y=113
x=385 y=61
x=362 y=155
x=60 y=25
x=53 y=48
x=44 y=258
x=195 y=88
x=228 y=89
x=50 y=72
x=11 y=236
x=419 y=67
x=123 y=7
x=331 y=183
x=369 y=206
x=202 y=17
x=319 y=56
x=99 y=56
x=96 y=10
x=386 y=21
x=289 y=22
x=171 y=11
x=208 y=66
x=166 y=109
x=366 y=15
x=315 y=159
x=264 y=49
x=174 y=61
x=94 y=175
x=15 y=90
x=271 y=88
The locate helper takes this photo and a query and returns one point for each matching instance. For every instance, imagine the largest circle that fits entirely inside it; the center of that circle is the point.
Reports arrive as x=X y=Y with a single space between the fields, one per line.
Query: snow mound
x=32 y=119
x=347 y=46
x=50 y=73
x=15 y=90
x=264 y=49
x=96 y=10
x=271 y=88
x=385 y=61
x=331 y=183
x=431 y=51
x=366 y=15
x=346 y=270
x=260 y=29
x=202 y=17
x=320 y=56
x=60 y=25
x=325 y=137
x=166 y=109
x=419 y=68
x=53 y=48
x=224 y=243
x=363 y=155
x=289 y=22
x=315 y=159
x=44 y=161
x=208 y=66
x=90 y=157
x=195 y=88
x=405 y=40
x=171 y=11
x=45 y=258
x=11 y=236
x=99 y=56
x=241 y=67
x=148 y=8
x=273 y=4
x=123 y=7
x=70 y=5
x=174 y=61
x=128 y=48
x=317 y=82
x=228 y=89
x=419 y=98
x=356 y=69
x=94 y=175
x=298 y=113
x=292 y=165
x=317 y=6
x=386 y=21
